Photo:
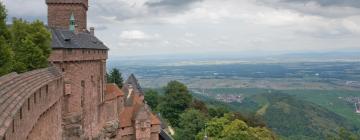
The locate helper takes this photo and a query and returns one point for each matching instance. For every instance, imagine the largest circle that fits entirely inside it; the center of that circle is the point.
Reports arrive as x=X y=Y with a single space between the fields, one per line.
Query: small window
x=21 y=115
x=13 y=126
x=40 y=94
x=83 y=83
x=47 y=89
x=28 y=103
x=35 y=98
x=83 y=51
x=63 y=70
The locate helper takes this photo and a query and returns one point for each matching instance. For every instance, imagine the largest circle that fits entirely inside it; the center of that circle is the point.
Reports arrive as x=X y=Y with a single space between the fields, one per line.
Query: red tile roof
x=112 y=92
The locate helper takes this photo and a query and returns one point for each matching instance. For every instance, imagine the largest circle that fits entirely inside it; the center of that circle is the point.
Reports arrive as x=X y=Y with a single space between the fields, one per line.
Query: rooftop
x=66 y=39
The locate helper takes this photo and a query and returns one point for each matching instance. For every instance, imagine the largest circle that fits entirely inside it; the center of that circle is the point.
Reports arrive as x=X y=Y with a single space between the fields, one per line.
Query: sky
x=210 y=27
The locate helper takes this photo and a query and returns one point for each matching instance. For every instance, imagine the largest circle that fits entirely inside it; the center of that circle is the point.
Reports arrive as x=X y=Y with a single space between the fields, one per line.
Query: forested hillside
x=191 y=117
x=293 y=118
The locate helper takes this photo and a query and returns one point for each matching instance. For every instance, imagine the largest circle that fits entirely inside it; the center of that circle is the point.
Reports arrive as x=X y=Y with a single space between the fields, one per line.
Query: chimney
x=76 y=31
x=92 y=31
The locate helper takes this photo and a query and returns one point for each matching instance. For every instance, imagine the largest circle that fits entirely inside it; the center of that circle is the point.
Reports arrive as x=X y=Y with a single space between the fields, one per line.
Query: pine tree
x=116 y=77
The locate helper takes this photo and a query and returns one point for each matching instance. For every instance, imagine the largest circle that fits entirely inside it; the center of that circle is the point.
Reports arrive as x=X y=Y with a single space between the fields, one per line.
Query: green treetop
x=176 y=100
x=115 y=76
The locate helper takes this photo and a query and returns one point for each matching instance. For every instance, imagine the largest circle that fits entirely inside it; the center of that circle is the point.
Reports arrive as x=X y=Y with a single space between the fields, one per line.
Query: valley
x=296 y=100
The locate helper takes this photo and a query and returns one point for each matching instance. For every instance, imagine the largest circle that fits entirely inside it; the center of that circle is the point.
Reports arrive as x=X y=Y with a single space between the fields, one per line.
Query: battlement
x=83 y=2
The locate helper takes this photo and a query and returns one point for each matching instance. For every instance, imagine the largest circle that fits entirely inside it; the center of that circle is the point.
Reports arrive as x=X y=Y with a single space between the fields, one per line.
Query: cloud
x=27 y=9
x=137 y=36
x=325 y=3
x=171 y=5
x=143 y=27
x=326 y=8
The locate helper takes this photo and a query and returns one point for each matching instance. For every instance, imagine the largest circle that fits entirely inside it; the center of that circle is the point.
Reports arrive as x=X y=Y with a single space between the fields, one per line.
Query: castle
x=71 y=100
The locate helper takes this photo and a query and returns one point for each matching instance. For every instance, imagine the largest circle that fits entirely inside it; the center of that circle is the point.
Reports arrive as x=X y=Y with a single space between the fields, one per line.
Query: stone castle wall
x=30 y=105
x=84 y=71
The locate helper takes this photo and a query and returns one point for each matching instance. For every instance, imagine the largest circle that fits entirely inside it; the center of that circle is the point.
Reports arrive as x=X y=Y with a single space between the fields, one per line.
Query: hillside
x=291 y=117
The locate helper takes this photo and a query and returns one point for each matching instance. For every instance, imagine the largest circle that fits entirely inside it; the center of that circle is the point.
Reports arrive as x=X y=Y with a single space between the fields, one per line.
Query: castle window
x=63 y=70
x=69 y=51
x=47 y=90
x=83 y=51
x=35 y=98
x=13 y=126
x=40 y=93
x=21 y=115
x=28 y=103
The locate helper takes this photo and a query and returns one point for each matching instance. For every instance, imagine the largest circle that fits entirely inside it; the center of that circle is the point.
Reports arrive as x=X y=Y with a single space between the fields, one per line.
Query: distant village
x=353 y=100
x=226 y=98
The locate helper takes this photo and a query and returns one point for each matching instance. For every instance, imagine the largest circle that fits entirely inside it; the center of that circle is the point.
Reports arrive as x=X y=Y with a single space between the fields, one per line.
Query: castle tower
x=82 y=58
x=60 y=11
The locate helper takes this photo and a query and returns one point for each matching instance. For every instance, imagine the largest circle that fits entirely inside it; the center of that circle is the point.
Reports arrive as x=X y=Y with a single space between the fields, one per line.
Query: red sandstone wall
x=59 y=15
x=34 y=113
x=109 y=111
x=84 y=71
x=61 y=55
x=48 y=126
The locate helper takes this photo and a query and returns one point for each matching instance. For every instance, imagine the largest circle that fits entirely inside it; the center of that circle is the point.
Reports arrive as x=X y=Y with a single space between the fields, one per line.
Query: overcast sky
x=153 y=27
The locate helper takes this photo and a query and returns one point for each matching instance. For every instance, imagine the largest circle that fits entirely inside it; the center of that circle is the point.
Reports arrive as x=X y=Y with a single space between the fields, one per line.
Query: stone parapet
x=25 y=98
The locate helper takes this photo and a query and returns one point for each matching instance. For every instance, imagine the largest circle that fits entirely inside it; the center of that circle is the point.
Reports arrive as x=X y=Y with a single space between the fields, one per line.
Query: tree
x=30 y=56
x=218 y=111
x=191 y=123
x=152 y=98
x=31 y=45
x=199 y=105
x=344 y=134
x=176 y=100
x=116 y=77
x=4 y=32
x=225 y=128
x=6 y=57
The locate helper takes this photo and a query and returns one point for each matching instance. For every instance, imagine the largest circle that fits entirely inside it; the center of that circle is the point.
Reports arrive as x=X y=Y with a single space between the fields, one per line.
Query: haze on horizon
x=174 y=27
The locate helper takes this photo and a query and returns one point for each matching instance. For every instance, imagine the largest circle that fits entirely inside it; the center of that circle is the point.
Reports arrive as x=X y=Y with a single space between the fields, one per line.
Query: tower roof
x=72 y=18
x=134 y=82
x=66 y=39
x=84 y=2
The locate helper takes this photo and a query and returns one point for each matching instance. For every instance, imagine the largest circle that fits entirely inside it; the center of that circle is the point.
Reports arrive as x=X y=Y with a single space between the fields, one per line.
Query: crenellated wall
x=29 y=104
x=63 y=55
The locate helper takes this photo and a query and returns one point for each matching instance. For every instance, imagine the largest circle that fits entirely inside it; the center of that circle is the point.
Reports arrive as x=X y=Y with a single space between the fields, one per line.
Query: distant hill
x=291 y=117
